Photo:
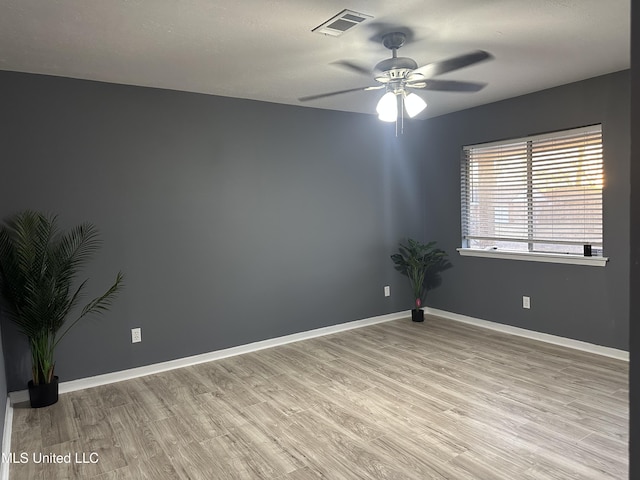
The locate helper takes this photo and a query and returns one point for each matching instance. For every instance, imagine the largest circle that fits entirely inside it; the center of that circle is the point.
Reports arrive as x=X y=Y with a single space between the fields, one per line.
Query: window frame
x=526 y=255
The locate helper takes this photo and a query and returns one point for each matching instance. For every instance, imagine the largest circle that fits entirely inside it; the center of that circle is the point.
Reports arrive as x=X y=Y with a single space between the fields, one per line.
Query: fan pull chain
x=400 y=117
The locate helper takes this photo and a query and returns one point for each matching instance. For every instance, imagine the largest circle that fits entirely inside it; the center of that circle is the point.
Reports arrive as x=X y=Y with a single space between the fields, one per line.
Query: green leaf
x=422 y=264
x=38 y=270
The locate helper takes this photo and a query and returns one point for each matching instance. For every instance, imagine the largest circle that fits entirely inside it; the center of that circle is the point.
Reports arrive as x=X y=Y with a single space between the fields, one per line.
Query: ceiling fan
x=398 y=75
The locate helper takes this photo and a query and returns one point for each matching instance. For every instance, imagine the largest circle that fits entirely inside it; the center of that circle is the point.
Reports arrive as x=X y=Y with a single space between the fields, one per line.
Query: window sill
x=535 y=257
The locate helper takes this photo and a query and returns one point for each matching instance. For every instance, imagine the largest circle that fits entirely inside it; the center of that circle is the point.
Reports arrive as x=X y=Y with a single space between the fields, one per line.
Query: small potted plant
x=38 y=269
x=422 y=264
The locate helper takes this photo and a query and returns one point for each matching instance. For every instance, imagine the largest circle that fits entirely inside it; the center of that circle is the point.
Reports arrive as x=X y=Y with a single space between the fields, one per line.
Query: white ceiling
x=265 y=50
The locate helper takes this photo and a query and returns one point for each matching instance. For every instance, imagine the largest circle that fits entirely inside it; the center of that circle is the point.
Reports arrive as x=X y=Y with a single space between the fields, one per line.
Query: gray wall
x=634 y=373
x=234 y=221
x=580 y=302
x=3 y=389
x=237 y=221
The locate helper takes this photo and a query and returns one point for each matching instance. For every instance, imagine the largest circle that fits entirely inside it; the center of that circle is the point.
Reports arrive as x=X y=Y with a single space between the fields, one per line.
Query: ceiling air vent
x=341 y=22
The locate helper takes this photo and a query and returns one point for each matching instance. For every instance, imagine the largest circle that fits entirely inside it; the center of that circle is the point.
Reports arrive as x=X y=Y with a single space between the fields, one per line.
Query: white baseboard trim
x=521 y=332
x=6 y=440
x=89 y=382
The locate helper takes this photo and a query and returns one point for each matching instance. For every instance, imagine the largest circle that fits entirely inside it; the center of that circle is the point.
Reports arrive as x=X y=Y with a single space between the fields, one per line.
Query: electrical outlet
x=387 y=291
x=526 y=302
x=136 y=335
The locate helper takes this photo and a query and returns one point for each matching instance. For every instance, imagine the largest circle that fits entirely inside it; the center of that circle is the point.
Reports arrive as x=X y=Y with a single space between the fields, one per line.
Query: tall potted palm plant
x=38 y=269
x=422 y=264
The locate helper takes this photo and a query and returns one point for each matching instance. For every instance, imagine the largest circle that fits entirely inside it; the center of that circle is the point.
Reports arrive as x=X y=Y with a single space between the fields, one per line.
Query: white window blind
x=535 y=194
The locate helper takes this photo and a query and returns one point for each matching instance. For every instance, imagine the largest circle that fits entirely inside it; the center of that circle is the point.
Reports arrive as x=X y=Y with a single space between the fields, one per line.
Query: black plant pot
x=43 y=394
x=417 y=315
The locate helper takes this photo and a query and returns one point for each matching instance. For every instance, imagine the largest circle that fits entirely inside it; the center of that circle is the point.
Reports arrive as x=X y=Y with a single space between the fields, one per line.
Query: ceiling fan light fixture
x=397 y=74
x=387 y=107
x=414 y=104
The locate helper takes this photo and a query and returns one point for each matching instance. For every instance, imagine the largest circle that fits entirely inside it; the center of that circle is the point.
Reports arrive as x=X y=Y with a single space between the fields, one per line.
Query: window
x=540 y=194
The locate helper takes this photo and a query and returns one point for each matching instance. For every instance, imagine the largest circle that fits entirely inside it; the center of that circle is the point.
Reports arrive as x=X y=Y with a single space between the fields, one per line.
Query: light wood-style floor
x=396 y=400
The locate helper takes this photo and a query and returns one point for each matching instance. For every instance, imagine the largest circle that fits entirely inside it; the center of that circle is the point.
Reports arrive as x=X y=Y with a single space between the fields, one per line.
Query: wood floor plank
x=336 y=450
x=88 y=409
x=486 y=466
x=137 y=443
x=57 y=424
x=173 y=432
x=605 y=445
x=588 y=455
x=305 y=473
x=25 y=417
x=229 y=388
x=554 y=464
x=99 y=439
x=289 y=394
x=26 y=438
x=397 y=400
x=208 y=460
x=413 y=456
x=64 y=468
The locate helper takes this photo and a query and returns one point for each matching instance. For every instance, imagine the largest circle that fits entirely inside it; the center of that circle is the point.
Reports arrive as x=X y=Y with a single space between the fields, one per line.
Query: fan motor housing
x=394 y=68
